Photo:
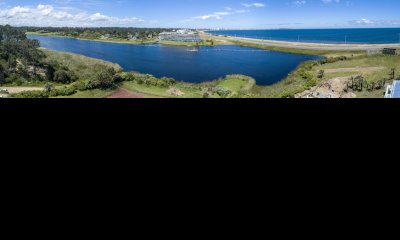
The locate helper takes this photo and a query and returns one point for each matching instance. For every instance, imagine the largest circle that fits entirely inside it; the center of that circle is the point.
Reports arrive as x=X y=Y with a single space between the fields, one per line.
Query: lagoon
x=187 y=64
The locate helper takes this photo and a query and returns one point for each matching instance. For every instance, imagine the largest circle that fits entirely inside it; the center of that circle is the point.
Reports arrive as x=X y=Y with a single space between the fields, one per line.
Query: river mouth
x=188 y=64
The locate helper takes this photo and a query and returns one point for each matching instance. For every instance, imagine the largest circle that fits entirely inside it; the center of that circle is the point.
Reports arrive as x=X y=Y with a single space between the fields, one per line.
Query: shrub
x=65 y=91
x=2 y=74
x=105 y=78
x=305 y=74
x=50 y=72
x=48 y=88
x=62 y=76
x=321 y=74
x=222 y=92
x=79 y=86
x=30 y=94
x=310 y=83
x=15 y=79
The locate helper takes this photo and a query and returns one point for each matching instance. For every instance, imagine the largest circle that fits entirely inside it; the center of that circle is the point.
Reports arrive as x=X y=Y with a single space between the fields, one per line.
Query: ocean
x=338 y=36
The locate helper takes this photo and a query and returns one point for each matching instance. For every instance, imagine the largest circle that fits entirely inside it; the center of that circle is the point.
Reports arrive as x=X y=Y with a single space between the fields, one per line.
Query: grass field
x=373 y=68
x=235 y=83
x=83 y=67
x=380 y=65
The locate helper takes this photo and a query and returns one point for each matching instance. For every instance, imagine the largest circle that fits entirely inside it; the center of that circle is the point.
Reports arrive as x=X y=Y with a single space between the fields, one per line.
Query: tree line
x=95 y=33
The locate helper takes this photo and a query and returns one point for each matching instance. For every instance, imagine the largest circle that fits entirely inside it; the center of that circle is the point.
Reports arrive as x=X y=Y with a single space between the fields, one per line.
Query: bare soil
x=123 y=93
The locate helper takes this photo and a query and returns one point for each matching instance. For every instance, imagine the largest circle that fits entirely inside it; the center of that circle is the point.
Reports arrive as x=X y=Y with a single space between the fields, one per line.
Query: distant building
x=182 y=35
x=390 y=51
x=393 y=91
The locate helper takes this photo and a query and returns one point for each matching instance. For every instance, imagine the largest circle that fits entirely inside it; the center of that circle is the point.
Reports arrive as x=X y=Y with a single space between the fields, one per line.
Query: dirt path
x=12 y=90
x=123 y=93
x=356 y=69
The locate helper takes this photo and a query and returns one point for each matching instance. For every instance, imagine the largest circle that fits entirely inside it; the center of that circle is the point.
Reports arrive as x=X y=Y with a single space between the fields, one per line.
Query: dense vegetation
x=19 y=57
x=98 y=33
x=23 y=63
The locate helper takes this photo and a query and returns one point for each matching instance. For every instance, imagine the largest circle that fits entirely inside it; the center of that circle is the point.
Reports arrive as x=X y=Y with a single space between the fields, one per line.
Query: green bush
x=149 y=80
x=310 y=83
x=80 y=86
x=62 y=76
x=49 y=88
x=30 y=94
x=104 y=79
x=321 y=74
x=90 y=84
x=222 y=92
x=65 y=91
x=15 y=79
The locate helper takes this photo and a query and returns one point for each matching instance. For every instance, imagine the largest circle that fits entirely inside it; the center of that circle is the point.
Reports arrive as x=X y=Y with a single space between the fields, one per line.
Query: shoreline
x=295 y=85
x=132 y=42
x=317 y=49
x=94 y=40
x=306 y=45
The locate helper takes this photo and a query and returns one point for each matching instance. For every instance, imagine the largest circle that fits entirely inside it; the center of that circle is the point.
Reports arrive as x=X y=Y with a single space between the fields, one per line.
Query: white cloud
x=256 y=5
x=228 y=11
x=362 y=21
x=215 y=15
x=299 y=3
x=47 y=15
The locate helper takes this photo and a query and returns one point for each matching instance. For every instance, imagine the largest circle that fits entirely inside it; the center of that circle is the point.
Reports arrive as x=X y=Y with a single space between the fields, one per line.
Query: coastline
x=95 y=40
x=135 y=42
x=320 y=49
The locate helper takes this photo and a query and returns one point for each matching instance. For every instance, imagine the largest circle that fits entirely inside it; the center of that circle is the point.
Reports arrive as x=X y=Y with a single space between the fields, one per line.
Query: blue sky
x=239 y=14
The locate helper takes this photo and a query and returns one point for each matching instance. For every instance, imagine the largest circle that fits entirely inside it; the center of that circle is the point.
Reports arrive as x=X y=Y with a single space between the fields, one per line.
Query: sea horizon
x=332 y=35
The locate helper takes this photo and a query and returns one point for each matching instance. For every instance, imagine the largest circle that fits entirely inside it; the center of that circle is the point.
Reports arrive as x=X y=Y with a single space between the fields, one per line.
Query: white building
x=393 y=91
x=182 y=35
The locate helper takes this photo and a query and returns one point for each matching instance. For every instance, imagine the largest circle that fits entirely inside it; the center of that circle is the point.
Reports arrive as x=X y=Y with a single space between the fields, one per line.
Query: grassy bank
x=230 y=86
x=324 y=53
x=86 y=69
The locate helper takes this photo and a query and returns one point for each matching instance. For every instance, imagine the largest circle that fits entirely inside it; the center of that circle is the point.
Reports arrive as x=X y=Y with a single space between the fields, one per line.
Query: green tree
x=392 y=73
x=62 y=76
x=105 y=78
x=48 y=88
x=50 y=72
x=2 y=74
x=321 y=74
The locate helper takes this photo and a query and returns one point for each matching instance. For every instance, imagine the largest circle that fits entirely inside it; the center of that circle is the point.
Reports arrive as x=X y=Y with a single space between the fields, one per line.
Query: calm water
x=184 y=63
x=364 y=35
